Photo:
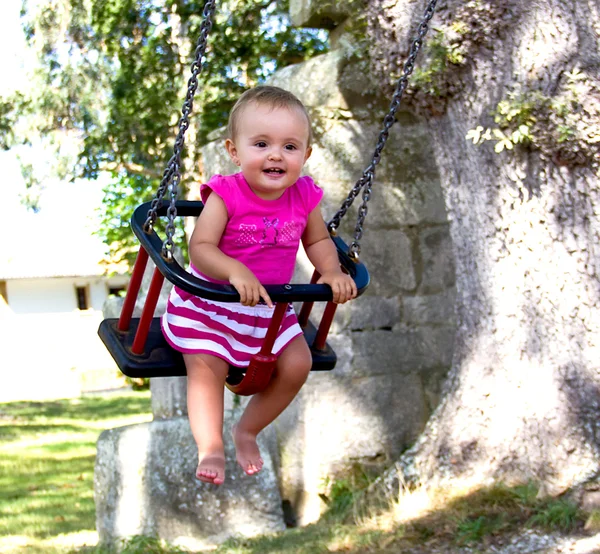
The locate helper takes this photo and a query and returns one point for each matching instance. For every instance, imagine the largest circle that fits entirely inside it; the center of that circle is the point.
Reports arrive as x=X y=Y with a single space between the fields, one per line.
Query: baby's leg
x=292 y=369
x=205 y=383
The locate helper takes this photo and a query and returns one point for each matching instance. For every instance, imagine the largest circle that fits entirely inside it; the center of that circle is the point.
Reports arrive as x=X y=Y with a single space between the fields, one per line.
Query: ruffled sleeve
x=310 y=193
x=223 y=186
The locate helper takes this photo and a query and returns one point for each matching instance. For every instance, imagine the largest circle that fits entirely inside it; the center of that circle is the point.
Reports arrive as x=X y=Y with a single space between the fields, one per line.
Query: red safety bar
x=139 y=342
x=133 y=289
x=259 y=372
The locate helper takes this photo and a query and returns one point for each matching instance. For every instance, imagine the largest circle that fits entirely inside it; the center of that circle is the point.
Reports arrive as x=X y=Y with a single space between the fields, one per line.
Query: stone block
x=215 y=158
x=322 y=14
x=336 y=422
x=369 y=312
x=344 y=350
x=341 y=151
x=402 y=350
x=169 y=397
x=437 y=257
x=433 y=308
x=144 y=483
x=315 y=81
x=406 y=190
x=387 y=253
x=433 y=382
x=111 y=309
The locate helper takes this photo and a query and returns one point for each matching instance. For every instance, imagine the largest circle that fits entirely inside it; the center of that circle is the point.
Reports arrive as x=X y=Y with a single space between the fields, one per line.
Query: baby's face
x=270 y=146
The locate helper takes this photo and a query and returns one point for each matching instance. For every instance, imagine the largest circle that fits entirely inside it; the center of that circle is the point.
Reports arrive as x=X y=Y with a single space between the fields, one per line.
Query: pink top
x=263 y=234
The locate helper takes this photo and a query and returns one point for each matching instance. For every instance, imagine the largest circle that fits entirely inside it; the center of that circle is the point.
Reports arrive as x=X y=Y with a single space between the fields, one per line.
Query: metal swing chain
x=172 y=174
x=366 y=180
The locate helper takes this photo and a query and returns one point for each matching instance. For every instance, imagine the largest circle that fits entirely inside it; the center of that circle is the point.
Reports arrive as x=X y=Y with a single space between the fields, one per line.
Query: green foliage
x=148 y=545
x=138 y=383
x=592 y=523
x=344 y=491
x=441 y=53
x=474 y=529
x=113 y=75
x=121 y=198
x=341 y=497
x=498 y=508
x=563 y=127
x=10 y=108
x=561 y=514
x=516 y=116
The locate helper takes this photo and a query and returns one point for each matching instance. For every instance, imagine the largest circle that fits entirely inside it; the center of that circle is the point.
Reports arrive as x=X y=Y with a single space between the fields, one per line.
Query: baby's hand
x=342 y=286
x=248 y=287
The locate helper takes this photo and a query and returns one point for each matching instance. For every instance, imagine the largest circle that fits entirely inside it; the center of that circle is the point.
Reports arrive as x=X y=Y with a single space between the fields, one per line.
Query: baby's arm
x=321 y=251
x=210 y=260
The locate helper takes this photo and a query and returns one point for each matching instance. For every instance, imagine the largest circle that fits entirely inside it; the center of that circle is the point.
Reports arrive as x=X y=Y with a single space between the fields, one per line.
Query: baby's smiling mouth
x=275 y=171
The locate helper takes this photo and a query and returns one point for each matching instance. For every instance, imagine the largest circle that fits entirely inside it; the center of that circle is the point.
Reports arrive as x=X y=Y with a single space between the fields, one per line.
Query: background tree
x=511 y=91
x=112 y=77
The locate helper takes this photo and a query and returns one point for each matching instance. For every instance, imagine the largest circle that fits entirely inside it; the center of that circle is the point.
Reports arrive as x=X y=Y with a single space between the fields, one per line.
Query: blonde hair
x=265 y=95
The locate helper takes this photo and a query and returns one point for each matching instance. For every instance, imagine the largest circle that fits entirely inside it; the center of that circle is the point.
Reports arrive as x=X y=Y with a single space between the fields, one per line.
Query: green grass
x=47 y=453
x=475 y=519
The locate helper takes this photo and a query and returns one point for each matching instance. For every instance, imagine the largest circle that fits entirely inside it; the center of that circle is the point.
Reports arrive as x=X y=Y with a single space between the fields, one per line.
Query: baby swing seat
x=138 y=345
x=140 y=349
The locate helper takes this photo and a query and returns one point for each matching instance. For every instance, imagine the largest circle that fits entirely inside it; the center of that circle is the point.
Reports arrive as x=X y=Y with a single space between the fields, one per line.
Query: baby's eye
x=261 y=144
x=290 y=147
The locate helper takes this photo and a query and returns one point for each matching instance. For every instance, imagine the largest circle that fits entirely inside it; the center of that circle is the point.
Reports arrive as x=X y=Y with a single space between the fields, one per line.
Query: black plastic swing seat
x=160 y=360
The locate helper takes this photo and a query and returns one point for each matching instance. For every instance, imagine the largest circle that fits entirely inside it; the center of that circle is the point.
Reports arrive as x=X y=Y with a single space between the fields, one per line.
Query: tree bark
x=522 y=400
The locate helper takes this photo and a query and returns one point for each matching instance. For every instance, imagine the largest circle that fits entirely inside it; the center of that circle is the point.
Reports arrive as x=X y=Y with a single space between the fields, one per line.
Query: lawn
x=47 y=453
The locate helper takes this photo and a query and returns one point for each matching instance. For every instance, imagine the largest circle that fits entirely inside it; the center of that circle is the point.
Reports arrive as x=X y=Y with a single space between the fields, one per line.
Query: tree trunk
x=523 y=397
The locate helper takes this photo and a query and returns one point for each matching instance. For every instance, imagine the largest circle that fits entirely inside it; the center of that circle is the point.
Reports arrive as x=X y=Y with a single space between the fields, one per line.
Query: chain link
x=366 y=180
x=172 y=174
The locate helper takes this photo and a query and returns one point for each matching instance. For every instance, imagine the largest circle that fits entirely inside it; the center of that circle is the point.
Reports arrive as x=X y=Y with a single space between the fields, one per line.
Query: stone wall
x=394 y=343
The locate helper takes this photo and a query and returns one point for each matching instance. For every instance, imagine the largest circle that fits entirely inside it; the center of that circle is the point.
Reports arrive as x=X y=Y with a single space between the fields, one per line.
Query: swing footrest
x=160 y=360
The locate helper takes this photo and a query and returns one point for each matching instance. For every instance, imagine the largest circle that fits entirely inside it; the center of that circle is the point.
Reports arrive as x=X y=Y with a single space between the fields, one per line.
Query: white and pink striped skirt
x=228 y=330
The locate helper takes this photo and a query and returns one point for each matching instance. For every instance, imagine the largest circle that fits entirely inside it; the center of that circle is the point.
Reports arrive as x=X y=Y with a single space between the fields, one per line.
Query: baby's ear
x=308 y=153
x=232 y=151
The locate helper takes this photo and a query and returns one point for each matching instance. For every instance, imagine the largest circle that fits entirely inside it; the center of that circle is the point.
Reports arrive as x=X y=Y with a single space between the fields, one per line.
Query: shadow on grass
x=24 y=429
x=475 y=522
x=43 y=498
x=23 y=419
x=46 y=489
x=480 y=520
x=47 y=456
x=89 y=408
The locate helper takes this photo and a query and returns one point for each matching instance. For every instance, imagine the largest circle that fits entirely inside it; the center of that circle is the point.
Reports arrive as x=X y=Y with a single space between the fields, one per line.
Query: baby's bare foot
x=211 y=468
x=246 y=451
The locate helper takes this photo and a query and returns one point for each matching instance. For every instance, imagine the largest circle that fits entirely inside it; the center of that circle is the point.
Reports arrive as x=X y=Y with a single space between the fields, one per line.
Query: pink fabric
x=265 y=236
x=227 y=330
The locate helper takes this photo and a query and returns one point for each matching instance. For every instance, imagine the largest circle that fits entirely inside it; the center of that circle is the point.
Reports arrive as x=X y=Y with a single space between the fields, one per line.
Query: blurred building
x=53 y=285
